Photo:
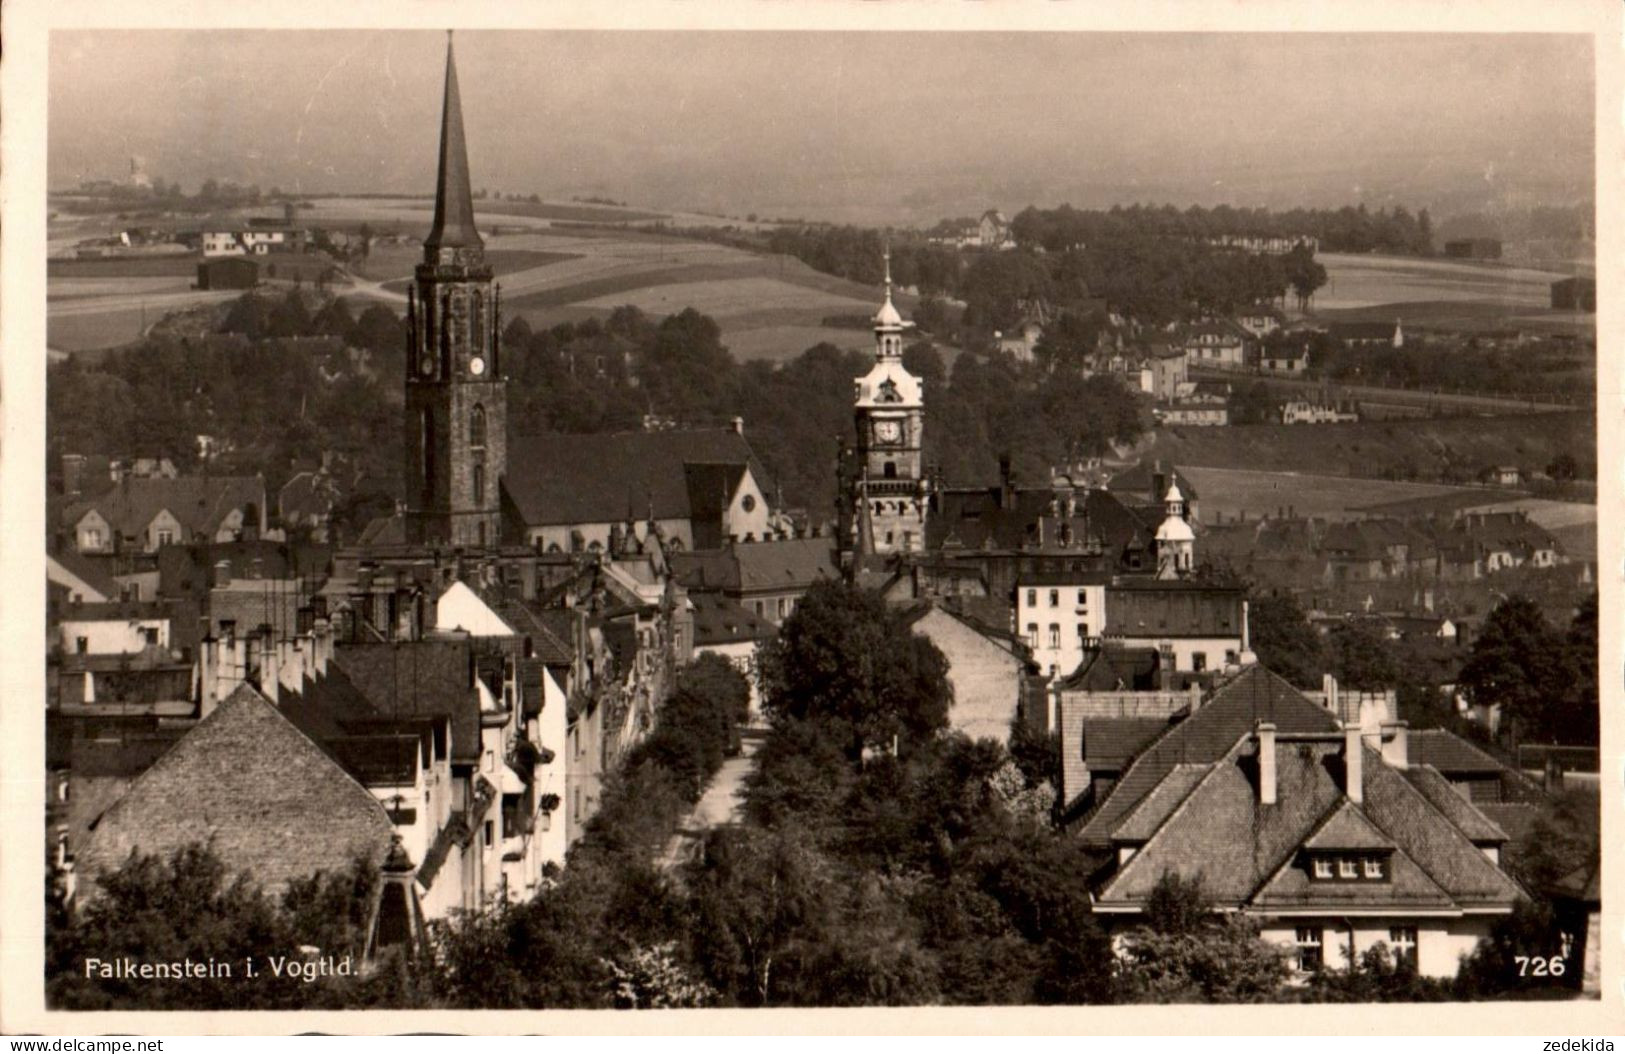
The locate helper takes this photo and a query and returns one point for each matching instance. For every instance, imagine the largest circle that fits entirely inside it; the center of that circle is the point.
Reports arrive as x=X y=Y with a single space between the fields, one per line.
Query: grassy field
x=170 y=264
x=1435 y=449
x=1360 y=281
x=104 y=329
x=1228 y=492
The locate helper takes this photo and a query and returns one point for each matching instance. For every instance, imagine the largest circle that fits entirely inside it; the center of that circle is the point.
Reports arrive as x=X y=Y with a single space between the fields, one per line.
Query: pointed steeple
x=453 y=194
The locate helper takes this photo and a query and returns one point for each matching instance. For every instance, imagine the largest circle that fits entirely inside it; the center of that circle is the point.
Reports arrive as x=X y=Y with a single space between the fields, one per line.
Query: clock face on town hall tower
x=888 y=431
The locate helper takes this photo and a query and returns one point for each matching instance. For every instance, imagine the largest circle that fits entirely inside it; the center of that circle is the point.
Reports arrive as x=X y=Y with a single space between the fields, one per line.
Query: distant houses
x=990 y=231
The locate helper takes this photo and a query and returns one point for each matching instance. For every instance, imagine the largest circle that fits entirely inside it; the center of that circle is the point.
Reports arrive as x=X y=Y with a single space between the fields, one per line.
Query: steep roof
x=453 y=191
x=1448 y=752
x=1251 y=854
x=567 y=479
x=1230 y=712
x=793 y=563
x=1109 y=743
x=256 y=790
x=1457 y=809
x=198 y=503
x=718 y=620
x=428 y=678
x=974 y=518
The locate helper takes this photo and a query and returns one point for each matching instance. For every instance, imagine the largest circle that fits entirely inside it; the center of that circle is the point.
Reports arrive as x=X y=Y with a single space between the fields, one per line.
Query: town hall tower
x=884 y=507
x=456 y=396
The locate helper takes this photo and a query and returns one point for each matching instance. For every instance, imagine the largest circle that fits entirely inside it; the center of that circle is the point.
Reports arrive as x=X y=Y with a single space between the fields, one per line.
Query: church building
x=456 y=397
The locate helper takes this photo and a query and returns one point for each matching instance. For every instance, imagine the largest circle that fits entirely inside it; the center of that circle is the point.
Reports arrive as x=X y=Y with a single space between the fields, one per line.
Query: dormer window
x=1348 y=866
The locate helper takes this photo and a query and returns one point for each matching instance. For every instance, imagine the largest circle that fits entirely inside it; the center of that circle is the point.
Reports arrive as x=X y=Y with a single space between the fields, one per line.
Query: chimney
x=1396 y=743
x=1328 y=687
x=1353 y=762
x=1165 y=667
x=1194 y=690
x=737 y=424
x=209 y=674
x=1266 y=763
x=1007 y=488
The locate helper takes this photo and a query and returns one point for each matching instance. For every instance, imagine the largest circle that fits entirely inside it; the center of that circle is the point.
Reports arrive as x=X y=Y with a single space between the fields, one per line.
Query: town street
x=722 y=803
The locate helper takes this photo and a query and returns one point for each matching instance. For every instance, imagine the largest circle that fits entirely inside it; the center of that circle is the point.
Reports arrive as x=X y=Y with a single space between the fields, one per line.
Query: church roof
x=453 y=192
x=574 y=479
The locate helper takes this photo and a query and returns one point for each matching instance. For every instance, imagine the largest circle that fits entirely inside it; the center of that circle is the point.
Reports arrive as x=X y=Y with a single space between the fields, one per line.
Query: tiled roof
x=87 y=571
x=254 y=788
x=604 y=478
x=973 y=519
x=199 y=503
x=544 y=633
x=711 y=487
x=1231 y=711
x=1250 y=853
x=1456 y=808
x=1448 y=752
x=795 y=563
x=1155 y=808
x=718 y=620
x=429 y=678
x=1109 y=743
x=1114 y=669
x=1347 y=828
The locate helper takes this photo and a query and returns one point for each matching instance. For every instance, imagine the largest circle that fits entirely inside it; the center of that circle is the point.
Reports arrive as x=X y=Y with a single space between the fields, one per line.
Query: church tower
x=456 y=396
x=887 y=495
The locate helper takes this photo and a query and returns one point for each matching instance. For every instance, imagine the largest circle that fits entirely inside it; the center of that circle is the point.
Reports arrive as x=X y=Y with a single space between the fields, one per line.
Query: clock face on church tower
x=888 y=431
x=476 y=366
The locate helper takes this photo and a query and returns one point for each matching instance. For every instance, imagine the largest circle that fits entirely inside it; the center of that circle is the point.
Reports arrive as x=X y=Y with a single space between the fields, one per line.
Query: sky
x=871 y=127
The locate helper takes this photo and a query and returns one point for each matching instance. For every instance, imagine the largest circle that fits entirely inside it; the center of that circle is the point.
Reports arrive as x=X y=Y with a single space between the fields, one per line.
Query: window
x=1054 y=635
x=1032 y=598
x=1083 y=632
x=479 y=485
x=1373 y=868
x=889 y=470
x=165 y=536
x=1032 y=634
x=490 y=832
x=476 y=426
x=1055 y=598
x=91 y=538
x=1199 y=661
x=748 y=503
x=781 y=608
x=81 y=645
x=1310 y=953
x=1403 y=941
x=1323 y=867
x=1230 y=657
x=150 y=635
x=1083 y=598
x=1348 y=867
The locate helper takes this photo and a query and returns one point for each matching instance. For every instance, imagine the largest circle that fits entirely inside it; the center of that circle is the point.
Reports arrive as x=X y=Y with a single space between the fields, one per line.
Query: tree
x=845 y=657
x=652 y=978
x=185 y=907
x=1515 y=663
x=1362 y=658
x=1284 y=641
x=718 y=681
x=1187 y=953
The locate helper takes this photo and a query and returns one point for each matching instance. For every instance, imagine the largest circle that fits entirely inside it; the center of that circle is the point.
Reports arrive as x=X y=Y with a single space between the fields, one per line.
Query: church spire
x=453 y=195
